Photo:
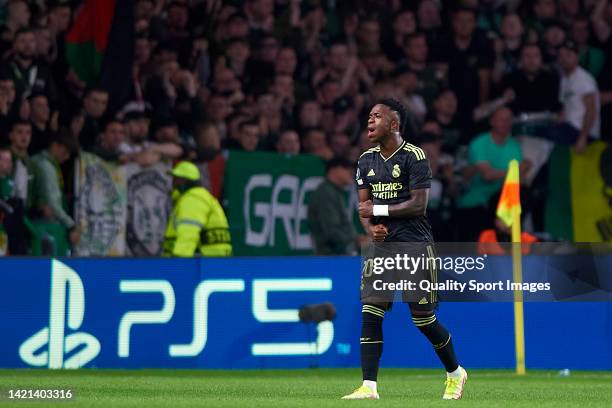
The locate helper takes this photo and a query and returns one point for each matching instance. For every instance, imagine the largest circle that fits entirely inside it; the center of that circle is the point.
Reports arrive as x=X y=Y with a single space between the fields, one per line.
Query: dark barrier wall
x=242 y=313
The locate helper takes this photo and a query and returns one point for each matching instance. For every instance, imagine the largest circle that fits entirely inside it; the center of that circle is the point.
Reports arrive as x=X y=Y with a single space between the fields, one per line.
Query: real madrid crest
x=396 y=171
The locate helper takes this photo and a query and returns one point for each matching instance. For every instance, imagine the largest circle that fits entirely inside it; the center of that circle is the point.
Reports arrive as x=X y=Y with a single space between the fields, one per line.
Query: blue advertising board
x=243 y=313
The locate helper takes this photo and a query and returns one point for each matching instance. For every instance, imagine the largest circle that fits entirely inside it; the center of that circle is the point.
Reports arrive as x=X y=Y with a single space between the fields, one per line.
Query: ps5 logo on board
x=51 y=346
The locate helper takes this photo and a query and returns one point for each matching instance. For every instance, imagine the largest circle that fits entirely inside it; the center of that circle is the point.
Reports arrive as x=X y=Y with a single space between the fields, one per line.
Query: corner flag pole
x=517 y=274
x=509 y=211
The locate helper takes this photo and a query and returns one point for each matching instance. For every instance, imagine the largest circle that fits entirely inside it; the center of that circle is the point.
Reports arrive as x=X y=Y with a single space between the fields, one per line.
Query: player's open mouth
x=371 y=130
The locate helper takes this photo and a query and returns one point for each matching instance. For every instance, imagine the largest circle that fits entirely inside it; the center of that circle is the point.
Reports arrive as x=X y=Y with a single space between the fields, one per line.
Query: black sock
x=439 y=338
x=371 y=340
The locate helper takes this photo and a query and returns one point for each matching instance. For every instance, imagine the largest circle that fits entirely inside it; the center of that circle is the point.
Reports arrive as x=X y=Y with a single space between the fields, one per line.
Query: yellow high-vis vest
x=197 y=222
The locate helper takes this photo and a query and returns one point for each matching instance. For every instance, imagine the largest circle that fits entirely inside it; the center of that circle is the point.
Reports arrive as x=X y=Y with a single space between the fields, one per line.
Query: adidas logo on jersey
x=371 y=173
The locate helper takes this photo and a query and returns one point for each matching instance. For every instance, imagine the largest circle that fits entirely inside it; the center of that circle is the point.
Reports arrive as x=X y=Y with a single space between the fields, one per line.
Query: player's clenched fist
x=379 y=232
x=366 y=209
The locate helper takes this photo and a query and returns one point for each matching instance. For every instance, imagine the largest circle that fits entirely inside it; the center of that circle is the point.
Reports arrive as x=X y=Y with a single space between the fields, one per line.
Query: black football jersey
x=390 y=181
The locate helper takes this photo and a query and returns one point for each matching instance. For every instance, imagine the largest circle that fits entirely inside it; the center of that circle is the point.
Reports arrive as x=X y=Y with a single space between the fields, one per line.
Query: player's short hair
x=396 y=106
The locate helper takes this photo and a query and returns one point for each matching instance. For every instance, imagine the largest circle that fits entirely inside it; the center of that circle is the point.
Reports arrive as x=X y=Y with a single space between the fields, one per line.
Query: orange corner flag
x=509 y=206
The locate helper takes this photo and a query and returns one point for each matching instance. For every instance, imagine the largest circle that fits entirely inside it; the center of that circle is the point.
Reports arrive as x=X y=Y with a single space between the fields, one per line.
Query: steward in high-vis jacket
x=197 y=221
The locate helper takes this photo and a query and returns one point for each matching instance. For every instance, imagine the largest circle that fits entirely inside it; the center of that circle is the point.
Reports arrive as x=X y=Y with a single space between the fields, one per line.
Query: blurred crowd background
x=157 y=81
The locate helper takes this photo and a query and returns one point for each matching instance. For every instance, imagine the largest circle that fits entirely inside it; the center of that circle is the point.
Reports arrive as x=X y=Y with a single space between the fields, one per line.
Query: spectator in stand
x=58 y=16
x=110 y=141
x=260 y=66
x=332 y=229
x=17 y=17
x=489 y=155
x=237 y=53
x=283 y=89
x=137 y=126
x=368 y=35
x=137 y=148
x=209 y=158
x=404 y=25
x=260 y=14
x=15 y=198
x=20 y=137
x=602 y=28
x=6 y=173
x=8 y=107
x=508 y=47
x=536 y=88
x=95 y=103
x=233 y=130
x=569 y=10
x=443 y=189
x=340 y=144
x=344 y=116
x=430 y=20
x=468 y=55
x=580 y=98
x=286 y=62
x=176 y=35
x=6 y=193
x=249 y=136
x=408 y=83
x=553 y=38
x=288 y=143
x=268 y=110
x=431 y=79
x=544 y=13
x=28 y=74
x=167 y=131
x=50 y=199
x=236 y=26
x=314 y=142
x=336 y=68
x=217 y=111
x=310 y=115
x=40 y=118
x=444 y=114
x=591 y=58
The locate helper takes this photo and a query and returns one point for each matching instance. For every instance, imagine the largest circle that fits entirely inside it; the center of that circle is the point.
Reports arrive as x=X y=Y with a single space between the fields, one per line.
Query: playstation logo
x=50 y=345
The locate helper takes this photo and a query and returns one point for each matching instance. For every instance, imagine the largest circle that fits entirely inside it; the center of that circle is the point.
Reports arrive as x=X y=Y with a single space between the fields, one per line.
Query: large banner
x=267 y=201
x=148 y=206
x=120 y=210
x=100 y=207
x=243 y=313
x=579 y=204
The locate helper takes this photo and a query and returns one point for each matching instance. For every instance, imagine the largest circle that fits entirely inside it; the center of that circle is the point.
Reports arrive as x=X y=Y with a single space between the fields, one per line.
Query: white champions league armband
x=380 y=210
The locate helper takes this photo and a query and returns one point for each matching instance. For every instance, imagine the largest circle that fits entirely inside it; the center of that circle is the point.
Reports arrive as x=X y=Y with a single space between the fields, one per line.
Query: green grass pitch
x=306 y=388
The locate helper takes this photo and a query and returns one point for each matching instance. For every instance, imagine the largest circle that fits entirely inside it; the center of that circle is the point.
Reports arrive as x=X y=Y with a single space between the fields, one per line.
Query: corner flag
x=509 y=206
x=509 y=211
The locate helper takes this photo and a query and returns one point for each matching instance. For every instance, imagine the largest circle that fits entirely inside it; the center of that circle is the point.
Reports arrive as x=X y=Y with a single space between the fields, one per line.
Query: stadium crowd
x=299 y=76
